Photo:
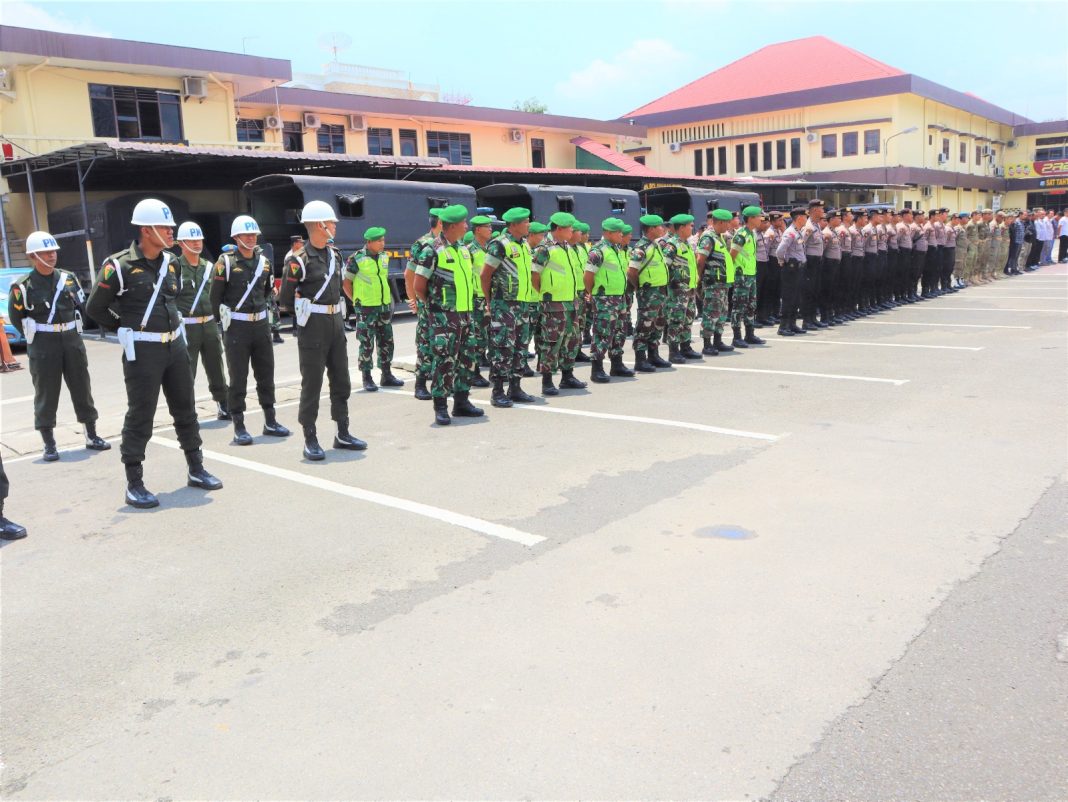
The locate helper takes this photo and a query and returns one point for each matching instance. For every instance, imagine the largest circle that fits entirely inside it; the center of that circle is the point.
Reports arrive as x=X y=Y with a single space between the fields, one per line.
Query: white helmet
x=189 y=230
x=152 y=212
x=41 y=241
x=318 y=212
x=243 y=224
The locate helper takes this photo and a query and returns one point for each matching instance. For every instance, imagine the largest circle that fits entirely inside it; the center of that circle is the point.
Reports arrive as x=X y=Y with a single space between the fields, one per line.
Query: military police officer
x=142 y=283
x=366 y=282
x=46 y=307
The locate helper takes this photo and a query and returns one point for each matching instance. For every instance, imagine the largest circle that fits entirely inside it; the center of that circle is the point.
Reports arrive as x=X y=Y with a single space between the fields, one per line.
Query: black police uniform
x=202 y=337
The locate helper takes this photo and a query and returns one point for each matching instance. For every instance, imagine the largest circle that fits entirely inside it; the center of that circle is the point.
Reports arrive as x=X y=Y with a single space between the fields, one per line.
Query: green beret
x=563 y=220
x=721 y=214
x=582 y=228
x=481 y=220
x=627 y=228
x=456 y=213
x=681 y=219
x=651 y=220
x=517 y=214
x=437 y=211
x=469 y=237
x=374 y=232
x=753 y=211
x=538 y=228
x=612 y=224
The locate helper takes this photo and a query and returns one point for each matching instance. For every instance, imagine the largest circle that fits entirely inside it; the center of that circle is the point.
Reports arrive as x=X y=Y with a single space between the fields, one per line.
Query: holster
x=29 y=328
x=126 y=340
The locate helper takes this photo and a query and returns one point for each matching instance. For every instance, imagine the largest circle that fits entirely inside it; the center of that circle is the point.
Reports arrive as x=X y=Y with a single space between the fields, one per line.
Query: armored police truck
x=589 y=204
x=670 y=201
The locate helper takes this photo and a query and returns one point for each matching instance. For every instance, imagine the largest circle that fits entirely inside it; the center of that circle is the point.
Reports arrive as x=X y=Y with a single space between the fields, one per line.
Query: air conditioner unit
x=356 y=122
x=675 y=147
x=7 y=80
x=811 y=136
x=312 y=120
x=516 y=135
x=925 y=191
x=194 y=87
x=999 y=171
x=986 y=150
x=942 y=158
x=272 y=122
x=1011 y=143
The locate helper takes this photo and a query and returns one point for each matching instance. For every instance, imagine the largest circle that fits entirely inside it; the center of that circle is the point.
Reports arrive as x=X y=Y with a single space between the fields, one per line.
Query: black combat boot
x=478 y=380
x=441 y=412
x=276 y=338
x=597 y=374
x=463 y=408
x=750 y=336
x=387 y=378
x=345 y=440
x=517 y=394
x=738 y=341
x=709 y=349
x=198 y=477
x=674 y=357
x=582 y=357
x=569 y=382
x=50 y=453
x=241 y=435
x=686 y=349
x=136 y=494
x=785 y=330
x=312 y=450
x=369 y=382
x=642 y=363
x=795 y=329
x=271 y=426
x=619 y=369
x=93 y=441
x=222 y=411
x=547 y=386
x=721 y=346
x=499 y=398
x=421 y=393
x=528 y=372
x=656 y=360
x=9 y=530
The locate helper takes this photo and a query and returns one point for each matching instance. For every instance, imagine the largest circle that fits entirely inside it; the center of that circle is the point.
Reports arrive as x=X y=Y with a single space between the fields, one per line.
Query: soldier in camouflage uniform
x=553 y=276
x=647 y=272
x=422 y=327
x=1001 y=236
x=444 y=284
x=366 y=283
x=983 y=258
x=580 y=241
x=682 y=265
x=476 y=241
x=743 y=252
x=532 y=306
x=628 y=296
x=716 y=270
x=971 y=255
x=605 y=282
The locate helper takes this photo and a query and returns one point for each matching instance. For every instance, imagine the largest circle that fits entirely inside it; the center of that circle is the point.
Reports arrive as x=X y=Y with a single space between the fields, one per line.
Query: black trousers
x=791 y=277
x=1035 y=254
x=249 y=342
x=763 y=269
x=903 y=279
x=829 y=291
x=810 y=287
x=1062 y=252
x=1014 y=256
x=949 y=257
x=55 y=357
x=931 y=265
x=919 y=259
x=158 y=366
x=205 y=343
x=322 y=347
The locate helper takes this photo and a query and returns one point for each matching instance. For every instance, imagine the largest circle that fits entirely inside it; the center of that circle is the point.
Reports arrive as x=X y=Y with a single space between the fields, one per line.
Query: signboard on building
x=1037 y=169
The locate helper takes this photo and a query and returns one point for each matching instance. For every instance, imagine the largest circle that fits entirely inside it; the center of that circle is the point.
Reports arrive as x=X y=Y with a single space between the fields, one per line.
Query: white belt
x=156 y=336
x=248 y=316
x=325 y=309
x=191 y=320
x=57 y=326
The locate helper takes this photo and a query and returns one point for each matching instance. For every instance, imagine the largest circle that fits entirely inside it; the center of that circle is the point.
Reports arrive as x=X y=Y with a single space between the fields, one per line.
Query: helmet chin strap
x=155 y=233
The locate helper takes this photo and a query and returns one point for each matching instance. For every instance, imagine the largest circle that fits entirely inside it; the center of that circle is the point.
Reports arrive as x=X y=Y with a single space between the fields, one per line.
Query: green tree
x=531 y=105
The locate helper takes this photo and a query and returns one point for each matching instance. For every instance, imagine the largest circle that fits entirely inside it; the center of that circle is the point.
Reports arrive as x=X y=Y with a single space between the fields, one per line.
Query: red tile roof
x=795 y=66
x=605 y=153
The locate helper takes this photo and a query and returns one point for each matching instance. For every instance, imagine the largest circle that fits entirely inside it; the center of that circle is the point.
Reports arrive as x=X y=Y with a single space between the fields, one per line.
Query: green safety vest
x=747 y=257
x=611 y=276
x=370 y=283
x=558 y=276
x=653 y=273
x=717 y=244
x=518 y=253
x=478 y=259
x=582 y=252
x=450 y=287
x=687 y=253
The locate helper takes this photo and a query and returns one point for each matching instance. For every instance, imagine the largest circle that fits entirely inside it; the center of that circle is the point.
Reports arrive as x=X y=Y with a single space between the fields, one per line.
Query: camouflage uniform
x=478 y=338
x=374 y=324
x=680 y=296
x=984 y=256
x=578 y=320
x=971 y=256
x=451 y=364
x=509 y=310
x=422 y=323
x=608 y=331
x=556 y=322
x=960 y=266
x=743 y=308
x=652 y=300
x=715 y=286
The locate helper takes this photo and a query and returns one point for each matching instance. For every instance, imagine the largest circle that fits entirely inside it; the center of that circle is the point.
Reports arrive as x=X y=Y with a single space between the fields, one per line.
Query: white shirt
x=1047 y=229
x=1062 y=227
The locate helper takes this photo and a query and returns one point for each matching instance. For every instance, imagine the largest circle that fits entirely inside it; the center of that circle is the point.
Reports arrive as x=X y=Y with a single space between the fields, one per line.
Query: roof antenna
x=334 y=43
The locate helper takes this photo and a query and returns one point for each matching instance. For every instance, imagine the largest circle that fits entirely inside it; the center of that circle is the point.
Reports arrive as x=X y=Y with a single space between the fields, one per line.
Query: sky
x=602 y=58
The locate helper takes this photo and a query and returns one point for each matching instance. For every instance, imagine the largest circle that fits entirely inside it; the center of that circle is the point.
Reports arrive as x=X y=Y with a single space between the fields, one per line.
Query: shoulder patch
x=294 y=267
x=109 y=271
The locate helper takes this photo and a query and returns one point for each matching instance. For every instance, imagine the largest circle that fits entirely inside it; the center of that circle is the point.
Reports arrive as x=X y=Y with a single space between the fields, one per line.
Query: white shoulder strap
x=155 y=290
x=301 y=263
x=329 y=275
x=260 y=265
x=203 y=283
x=60 y=284
x=118 y=273
x=226 y=263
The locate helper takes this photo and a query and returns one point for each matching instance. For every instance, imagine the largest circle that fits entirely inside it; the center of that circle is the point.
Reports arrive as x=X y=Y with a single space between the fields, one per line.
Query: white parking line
x=1020 y=298
x=370 y=496
x=895 y=382
x=811 y=341
x=978 y=309
x=937 y=325
x=18 y=400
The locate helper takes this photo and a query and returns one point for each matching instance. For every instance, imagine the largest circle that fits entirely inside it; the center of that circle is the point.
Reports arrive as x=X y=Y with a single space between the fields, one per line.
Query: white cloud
x=27 y=15
x=631 y=67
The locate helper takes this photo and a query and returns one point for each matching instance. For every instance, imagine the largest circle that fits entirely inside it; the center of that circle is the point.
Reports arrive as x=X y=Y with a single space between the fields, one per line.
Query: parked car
x=9 y=276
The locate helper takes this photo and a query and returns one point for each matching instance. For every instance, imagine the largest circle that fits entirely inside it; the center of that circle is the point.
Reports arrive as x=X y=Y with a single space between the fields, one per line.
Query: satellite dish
x=335 y=42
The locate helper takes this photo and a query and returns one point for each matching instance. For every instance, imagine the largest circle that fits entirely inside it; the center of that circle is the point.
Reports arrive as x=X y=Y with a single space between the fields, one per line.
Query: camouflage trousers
x=652 y=318
x=451 y=362
x=578 y=325
x=714 y=305
x=678 y=316
x=507 y=324
x=982 y=266
x=528 y=325
x=555 y=325
x=479 y=327
x=374 y=325
x=971 y=257
x=608 y=332
x=422 y=342
x=274 y=315
x=960 y=263
x=744 y=300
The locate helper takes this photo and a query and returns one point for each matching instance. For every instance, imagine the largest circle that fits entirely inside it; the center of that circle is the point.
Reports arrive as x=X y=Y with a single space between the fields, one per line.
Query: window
x=710 y=161
x=963 y=152
x=331 y=138
x=849 y=143
x=1052 y=140
x=293 y=137
x=129 y=112
x=448 y=145
x=978 y=155
x=697 y=163
x=739 y=159
x=945 y=149
x=537 y=153
x=1050 y=154
x=767 y=156
x=795 y=152
x=639 y=159
x=721 y=159
x=871 y=141
x=780 y=154
x=754 y=149
x=250 y=130
x=829 y=146
x=409 y=142
x=350 y=205
x=380 y=141
x=930 y=139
